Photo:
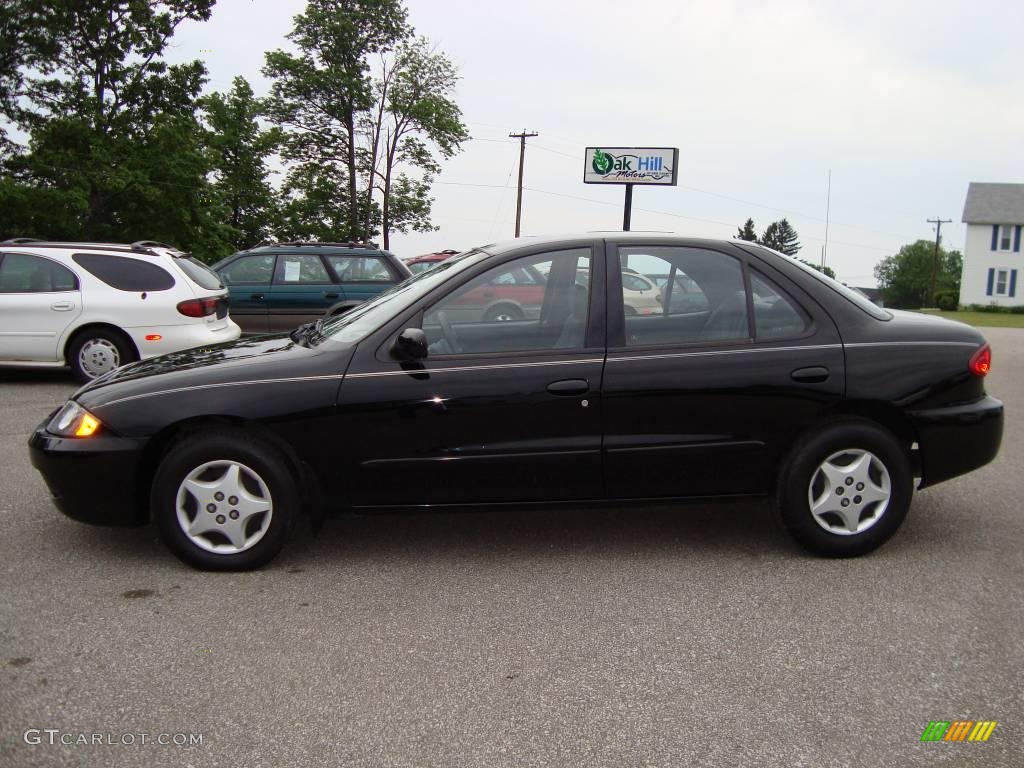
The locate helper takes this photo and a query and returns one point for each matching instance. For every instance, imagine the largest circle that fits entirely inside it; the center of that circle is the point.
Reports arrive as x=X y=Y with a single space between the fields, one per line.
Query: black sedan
x=778 y=382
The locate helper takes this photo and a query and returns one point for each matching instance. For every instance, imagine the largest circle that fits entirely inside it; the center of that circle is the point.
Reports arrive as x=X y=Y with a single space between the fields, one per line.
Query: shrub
x=947 y=301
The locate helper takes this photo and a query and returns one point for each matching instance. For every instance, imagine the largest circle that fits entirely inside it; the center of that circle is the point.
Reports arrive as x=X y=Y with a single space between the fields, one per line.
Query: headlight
x=73 y=421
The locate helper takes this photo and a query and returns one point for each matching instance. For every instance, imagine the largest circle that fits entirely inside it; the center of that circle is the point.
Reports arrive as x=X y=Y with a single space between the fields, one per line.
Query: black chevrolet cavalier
x=745 y=373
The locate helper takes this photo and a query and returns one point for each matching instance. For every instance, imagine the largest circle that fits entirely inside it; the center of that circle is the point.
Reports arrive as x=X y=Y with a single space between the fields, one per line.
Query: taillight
x=198 y=307
x=981 y=361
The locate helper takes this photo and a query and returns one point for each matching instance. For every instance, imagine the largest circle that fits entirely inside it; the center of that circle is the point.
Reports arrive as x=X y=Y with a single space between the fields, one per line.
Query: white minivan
x=96 y=306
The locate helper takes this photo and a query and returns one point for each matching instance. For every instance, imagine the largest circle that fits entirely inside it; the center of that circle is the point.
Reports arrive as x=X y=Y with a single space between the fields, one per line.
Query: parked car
x=809 y=395
x=95 y=306
x=418 y=264
x=276 y=287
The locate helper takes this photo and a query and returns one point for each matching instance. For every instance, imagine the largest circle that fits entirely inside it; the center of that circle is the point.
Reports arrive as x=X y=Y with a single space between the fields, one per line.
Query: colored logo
x=958 y=730
x=603 y=162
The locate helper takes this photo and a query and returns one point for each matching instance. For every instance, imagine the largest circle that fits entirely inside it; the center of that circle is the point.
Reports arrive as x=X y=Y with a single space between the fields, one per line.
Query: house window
x=1002 y=280
x=1005 y=237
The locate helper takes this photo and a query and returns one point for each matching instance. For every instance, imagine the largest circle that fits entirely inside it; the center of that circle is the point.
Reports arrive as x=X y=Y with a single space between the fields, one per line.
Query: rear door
x=39 y=299
x=302 y=291
x=704 y=397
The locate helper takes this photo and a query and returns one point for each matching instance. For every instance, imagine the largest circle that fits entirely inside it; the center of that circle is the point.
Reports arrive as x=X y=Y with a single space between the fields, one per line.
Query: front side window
x=125 y=273
x=702 y=299
x=25 y=273
x=249 y=269
x=532 y=303
x=298 y=268
x=360 y=269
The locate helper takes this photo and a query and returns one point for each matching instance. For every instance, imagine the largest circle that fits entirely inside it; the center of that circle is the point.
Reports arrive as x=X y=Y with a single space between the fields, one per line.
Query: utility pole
x=522 y=155
x=935 y=257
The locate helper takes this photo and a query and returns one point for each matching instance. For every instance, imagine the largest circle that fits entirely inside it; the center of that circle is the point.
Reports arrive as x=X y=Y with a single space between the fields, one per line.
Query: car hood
x=257 y=357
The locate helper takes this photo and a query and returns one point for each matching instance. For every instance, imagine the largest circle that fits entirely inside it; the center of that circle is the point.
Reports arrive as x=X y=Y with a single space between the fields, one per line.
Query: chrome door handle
x=62 y=306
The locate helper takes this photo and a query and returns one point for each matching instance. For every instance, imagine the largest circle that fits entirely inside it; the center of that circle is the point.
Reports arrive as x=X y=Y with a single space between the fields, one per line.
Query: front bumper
x=92 y=480
x=957 y=439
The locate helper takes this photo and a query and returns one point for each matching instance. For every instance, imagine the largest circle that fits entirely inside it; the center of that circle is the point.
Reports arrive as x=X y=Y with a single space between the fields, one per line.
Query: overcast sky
x=906 y=102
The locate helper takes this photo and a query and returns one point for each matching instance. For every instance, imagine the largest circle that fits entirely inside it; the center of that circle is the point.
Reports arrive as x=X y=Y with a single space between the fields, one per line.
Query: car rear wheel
x=846 y=490
x=94 y=353
x=224 y=501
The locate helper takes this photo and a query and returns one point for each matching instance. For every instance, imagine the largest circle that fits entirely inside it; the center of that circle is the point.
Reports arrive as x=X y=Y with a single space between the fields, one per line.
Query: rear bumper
x=957 y=439
x=174 y=338
x=91 y=480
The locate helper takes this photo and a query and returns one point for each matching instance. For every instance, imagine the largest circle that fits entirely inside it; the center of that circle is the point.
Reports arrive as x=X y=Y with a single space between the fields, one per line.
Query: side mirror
x=411 y=344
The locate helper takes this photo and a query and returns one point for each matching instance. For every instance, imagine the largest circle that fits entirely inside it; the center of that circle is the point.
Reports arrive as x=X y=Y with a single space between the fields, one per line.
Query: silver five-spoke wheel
x=849 y=492
x=224 y=507
x=98 y=356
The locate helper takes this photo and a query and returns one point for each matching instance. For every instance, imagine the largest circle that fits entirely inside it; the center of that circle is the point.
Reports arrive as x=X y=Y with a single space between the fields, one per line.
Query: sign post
x=648 y=166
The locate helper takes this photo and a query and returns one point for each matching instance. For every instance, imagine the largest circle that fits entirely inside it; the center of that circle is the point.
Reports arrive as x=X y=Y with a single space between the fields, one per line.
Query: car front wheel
x=224 y=501
x=846 y=490
x=94 y=353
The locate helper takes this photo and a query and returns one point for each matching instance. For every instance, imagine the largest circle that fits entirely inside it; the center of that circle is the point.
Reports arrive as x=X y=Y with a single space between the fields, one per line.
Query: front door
x=39 y=299
x=704 y=395
x=502 y=410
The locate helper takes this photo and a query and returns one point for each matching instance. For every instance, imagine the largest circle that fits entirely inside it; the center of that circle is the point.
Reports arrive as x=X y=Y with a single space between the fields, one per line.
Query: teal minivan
x=275 y=287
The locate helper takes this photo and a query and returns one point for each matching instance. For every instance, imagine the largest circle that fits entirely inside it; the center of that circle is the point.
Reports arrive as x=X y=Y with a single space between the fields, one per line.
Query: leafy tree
x=115 y=151
x=414 y=112
x=905 y=278
x=242 y=198
x=318 y=94
x=781 y=236
x=746 y=232
x=824 y=270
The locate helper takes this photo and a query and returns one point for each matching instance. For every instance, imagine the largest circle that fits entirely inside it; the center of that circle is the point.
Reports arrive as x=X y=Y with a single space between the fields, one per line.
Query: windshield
x=848 y=293
x=356 y=324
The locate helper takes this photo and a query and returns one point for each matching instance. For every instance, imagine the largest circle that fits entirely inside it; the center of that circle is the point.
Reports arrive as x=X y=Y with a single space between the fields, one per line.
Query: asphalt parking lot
x=668 y=636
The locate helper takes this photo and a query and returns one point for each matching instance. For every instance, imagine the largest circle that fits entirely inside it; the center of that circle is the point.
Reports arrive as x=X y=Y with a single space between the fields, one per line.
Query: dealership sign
x=631 y=165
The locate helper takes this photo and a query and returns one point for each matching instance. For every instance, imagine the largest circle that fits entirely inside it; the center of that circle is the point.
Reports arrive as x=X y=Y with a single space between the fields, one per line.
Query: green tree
x=781 y=236
x=414 y=114
x=318 y=94
x=824 y=270
x=115 y=151
x=242 y=198
x=746 y=232
x=905 y=278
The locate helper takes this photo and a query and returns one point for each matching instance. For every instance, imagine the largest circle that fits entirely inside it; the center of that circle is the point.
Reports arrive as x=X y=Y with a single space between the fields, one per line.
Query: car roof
x=638 y=238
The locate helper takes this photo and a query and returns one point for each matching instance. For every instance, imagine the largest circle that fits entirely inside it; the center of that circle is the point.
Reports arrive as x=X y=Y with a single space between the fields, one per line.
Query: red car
x=418 y=264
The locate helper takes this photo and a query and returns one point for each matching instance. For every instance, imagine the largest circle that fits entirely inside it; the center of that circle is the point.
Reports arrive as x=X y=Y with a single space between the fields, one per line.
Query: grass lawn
x=990 y=319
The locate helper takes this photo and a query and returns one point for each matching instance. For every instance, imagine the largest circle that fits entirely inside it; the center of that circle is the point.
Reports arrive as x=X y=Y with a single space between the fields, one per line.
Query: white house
x=994 y=215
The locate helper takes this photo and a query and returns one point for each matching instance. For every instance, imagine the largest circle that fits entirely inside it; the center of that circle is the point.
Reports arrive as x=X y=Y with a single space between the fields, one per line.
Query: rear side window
x=775 y=315
x=125 y=273
x=300 y=268
x=356 y=269
x=25 y=273
x=199 y=273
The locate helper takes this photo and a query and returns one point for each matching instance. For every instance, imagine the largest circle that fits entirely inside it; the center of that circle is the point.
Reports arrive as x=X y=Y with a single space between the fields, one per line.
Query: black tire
x=253 y=453
x=801 y=468
x=105 y=338
x=503 y=313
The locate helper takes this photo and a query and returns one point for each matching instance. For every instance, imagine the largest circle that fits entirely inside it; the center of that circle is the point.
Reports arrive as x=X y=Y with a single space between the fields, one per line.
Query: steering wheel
x=448 y=330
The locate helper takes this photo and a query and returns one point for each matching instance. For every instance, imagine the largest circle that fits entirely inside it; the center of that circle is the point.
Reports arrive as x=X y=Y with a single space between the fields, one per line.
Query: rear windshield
x=845 y=291
x=199 y=273
x=125 y=273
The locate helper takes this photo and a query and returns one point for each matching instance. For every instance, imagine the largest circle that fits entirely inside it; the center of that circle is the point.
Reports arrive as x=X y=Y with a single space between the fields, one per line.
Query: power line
x=522 y=156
